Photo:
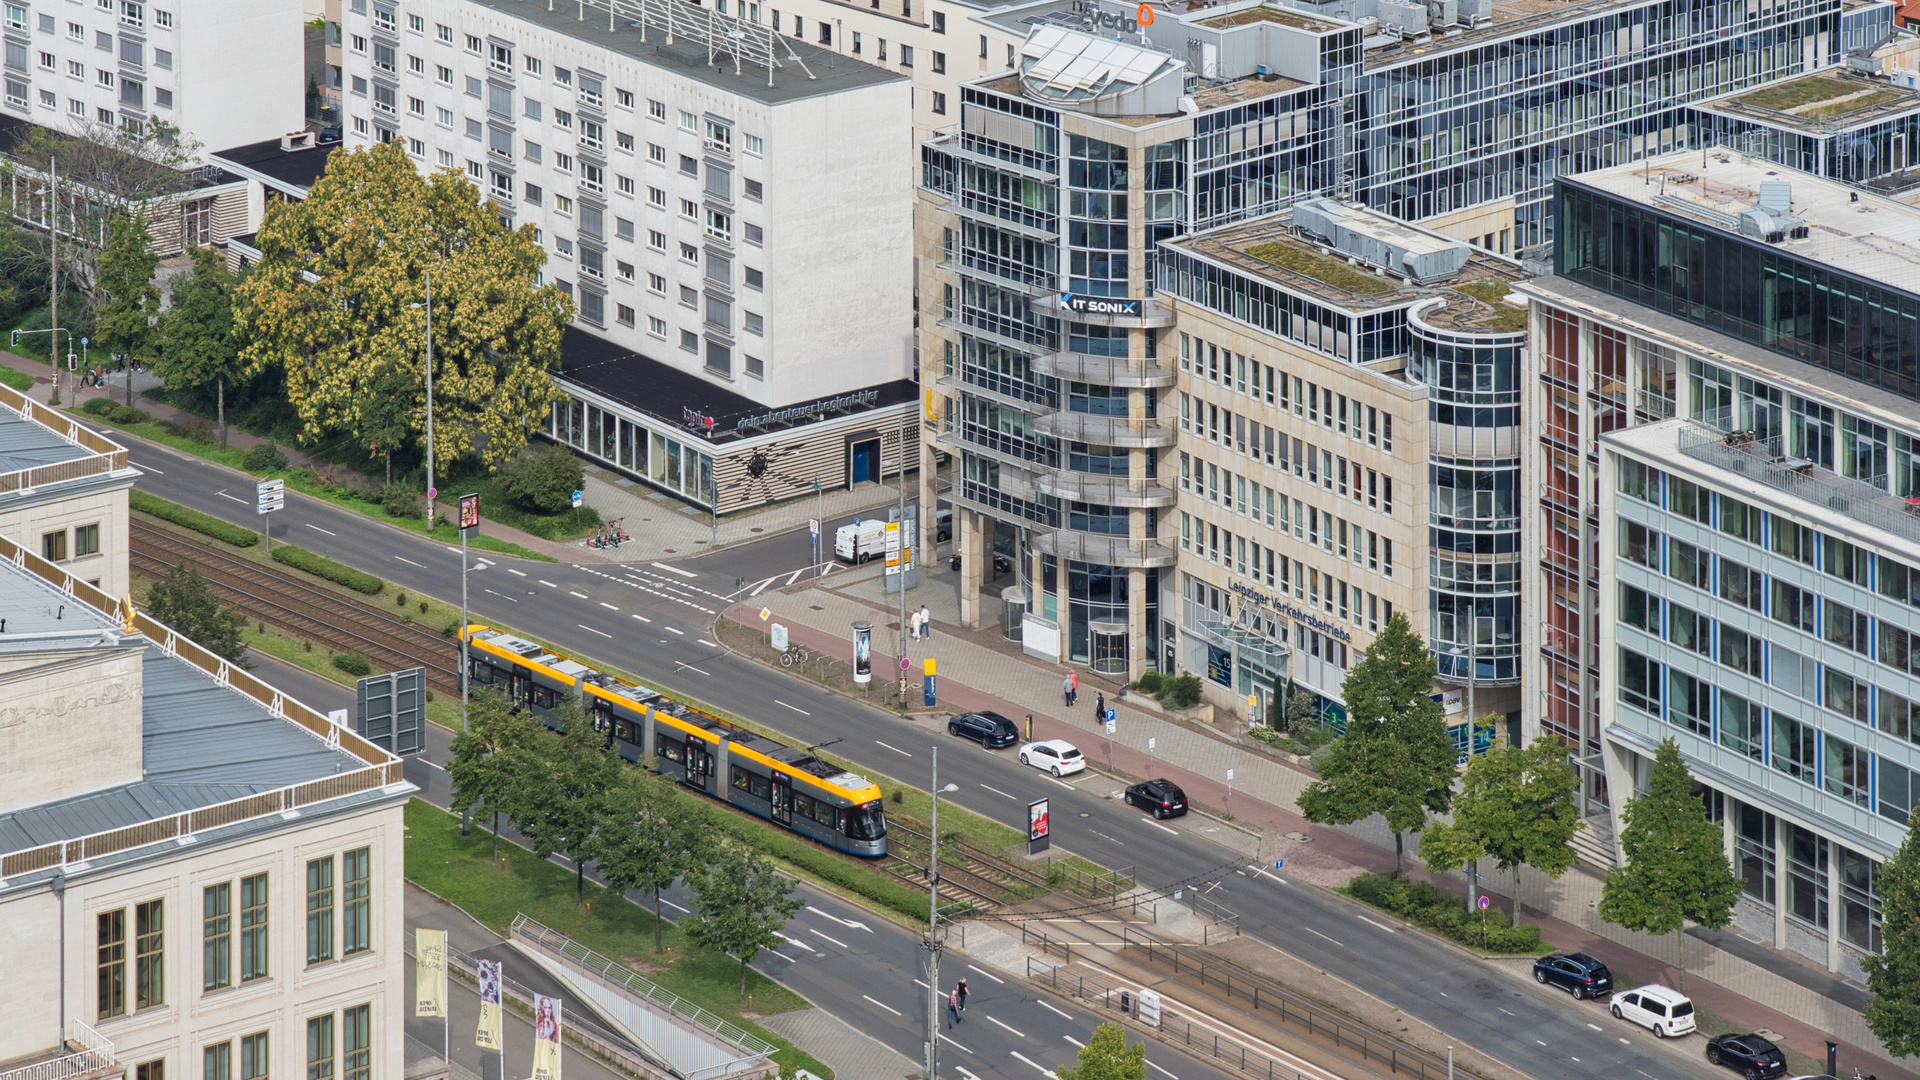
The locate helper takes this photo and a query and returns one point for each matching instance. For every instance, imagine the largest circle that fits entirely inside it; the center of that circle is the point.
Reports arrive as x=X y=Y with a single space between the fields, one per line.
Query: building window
x=416 y=24
x=656 y=240
x=754 y=324
x=320 y=1047
x=443 y=33
x=253 y=928
x=754 y=145
x=756 y=368
x=906 y=56
x=149 y=955
x=690 y=341
x=720 y=226
x=49 y=99
x=356 y=932
x=53 y=546
x=1806 y=876
x=17 y=17
x=562 y=205
x=216 y=937
x=163 y=19
x=939 y=22
x=356 y=1042
x=856 y=43
x=112 y=963
x=254 y=1060
x=532 y=64
x=939 y=103
x=623 y=314
x=656 y=153
x=939 y=63
x=657 y=327
x=217 y=1062
x=319 y=910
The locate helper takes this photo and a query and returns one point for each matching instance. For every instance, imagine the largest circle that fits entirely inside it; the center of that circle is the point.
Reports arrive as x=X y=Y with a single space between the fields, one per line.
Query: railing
x=1762 y=460
x=1106 y=490
x=1292 y=1009
x=93 y=1053
x=1102 y=370
x=107 y=456
x=1105 y=550
x=1104 y=430
x=1107 y=884
x=652 y=991
x=1215 y=913
x=383 y=768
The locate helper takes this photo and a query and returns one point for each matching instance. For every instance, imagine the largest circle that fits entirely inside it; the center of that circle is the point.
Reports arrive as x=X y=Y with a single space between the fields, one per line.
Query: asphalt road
x=653 y=620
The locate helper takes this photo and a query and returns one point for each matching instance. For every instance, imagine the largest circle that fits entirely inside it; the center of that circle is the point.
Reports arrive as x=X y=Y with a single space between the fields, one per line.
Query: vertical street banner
x=488 y=1037
x=430 y=973
x=546 y=1037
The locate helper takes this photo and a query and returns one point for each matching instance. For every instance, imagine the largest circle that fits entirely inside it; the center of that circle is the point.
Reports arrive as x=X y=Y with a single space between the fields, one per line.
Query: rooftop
x=1822 y=103
x=831 y=72
x=1850 y=230
x=292 y=171
x=40 y=446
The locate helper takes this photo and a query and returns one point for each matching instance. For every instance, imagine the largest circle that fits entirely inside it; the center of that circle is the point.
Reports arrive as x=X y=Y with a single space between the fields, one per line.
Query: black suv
x=1163 y=797
x=1576 y=973
x=1754 y=1057
x=989 y=729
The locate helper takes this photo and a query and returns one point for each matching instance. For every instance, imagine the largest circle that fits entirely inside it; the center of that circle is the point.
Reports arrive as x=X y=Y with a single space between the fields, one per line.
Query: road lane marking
x=965 y=1073
x=1063 y=783
x=760 y=588
x=1627 y=1043
x=798 y=942
x=851 y=924
x=1070 y=1038
x=579 y=595
x=1391 y=930
x=675 y=570
x=781 y=955
x=671 y=630
x=1542 y=1042
x=1056 y=1012
x=1509 y=1012
x=1157 y=825
x=431 y=765
x=1169 y=1075
x=690 y=667
x=504 y=596
x=224 y=495
x=676 y=907
x=950 y=1039
x=795 y=708
x=796 y=575
x=547 y=583
x=147 y=468
x=989 y=974
x=1044 y=1071
x=410 y=562
x=921 y=983
x=709 y=644
x=608 y=606
x=824 y=937
x=883 y=1005
x=1107 y=838
x=591 y=630
x=1596 y=1027
x=998 y=792
x=895 y=749
x=643 y=618
x=318 y=529
x=1317 y=933
x=1009 y=1027
x=516 y=573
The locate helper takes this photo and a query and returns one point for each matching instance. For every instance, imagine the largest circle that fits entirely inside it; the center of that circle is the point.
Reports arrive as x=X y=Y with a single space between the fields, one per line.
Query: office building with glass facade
x=1724 y=375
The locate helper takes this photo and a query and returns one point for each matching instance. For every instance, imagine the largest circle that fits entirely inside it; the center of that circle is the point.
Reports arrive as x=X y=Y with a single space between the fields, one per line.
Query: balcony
x=1103 y=370
x=1104 y=430
x=1763 y=460
x=1105 y=490
x=1104 y=550
x=85 y=1055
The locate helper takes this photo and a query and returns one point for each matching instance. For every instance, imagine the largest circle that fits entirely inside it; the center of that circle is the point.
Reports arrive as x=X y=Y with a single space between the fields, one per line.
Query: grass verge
x=457 y=869
x=188 y=518
x=19 y=380
x=1426 y=906
x=320 y=566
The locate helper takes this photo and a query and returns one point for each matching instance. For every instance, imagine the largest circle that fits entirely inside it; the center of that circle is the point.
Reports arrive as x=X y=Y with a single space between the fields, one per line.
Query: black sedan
x=1163 y=797
x=1750 y=1055
x=989 y=729
x=1577 y=973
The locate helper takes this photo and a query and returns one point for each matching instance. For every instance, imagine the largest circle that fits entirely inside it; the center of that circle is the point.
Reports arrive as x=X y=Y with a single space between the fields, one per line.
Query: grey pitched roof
x=25 y=444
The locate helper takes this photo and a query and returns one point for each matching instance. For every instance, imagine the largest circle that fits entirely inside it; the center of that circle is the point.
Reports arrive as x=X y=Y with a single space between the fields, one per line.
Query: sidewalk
x=1748 y=984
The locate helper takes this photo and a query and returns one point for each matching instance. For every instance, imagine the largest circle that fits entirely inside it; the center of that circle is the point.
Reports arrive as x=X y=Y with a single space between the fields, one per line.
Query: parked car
x=1001 y=563
x=942 y=525
x=1057 y=756
x=1163 y=797
x=1750 y=1055
x=1667 y=1012
x=1577 y=973
x=989 y=729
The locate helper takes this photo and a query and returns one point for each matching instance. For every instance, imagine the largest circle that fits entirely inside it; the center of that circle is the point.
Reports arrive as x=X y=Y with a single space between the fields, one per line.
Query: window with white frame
x=443 y=117
x=532 y=152
x=76 y=69
x=416 y=147
x=657 y=327
x=719 y=225
x=532 y=64
x=623 y=141
x=592 y=177
x=443 y=33
x=500 y=58
x=445 y=159
x=657 y=240
x=562 y=162
x=656 y=153
x=655 y=109
x=443 y=75
x=562 y=205
x=383 y=19
x=625 y=270
x=689 y=122
x=416 y=24
x=17 y=20
x=416 y=106
x=657 y=197
x=754 y=145
x=626 y=185
x=473 y=44
x=592 y=134
x=49 y=99
x=656 y=284
x=590 y=92
x=623 y=98
x=563 y=119
x=719 y=137
x=163 y=19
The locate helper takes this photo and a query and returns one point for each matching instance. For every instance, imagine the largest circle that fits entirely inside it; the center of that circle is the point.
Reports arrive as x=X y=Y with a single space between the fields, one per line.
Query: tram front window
x=867 y=822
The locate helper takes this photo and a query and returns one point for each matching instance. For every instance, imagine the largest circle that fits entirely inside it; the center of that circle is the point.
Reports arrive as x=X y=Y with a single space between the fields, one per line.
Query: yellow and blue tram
x=787 y=785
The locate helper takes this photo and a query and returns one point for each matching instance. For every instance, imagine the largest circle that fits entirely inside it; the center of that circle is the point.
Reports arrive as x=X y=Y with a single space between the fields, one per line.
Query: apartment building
x=1347 y=398
x=1723 y=376
x=729 y=209
x=63 y=492
x=222 y=71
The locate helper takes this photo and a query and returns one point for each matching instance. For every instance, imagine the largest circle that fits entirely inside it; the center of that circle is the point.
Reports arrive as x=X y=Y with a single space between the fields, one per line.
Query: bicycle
x=794 y=654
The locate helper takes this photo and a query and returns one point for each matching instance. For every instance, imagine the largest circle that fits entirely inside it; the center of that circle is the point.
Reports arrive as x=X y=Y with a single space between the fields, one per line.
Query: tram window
x=545 y=697
x=623 y=731
x=760 y=787
x=671 y=750
x=479 y=671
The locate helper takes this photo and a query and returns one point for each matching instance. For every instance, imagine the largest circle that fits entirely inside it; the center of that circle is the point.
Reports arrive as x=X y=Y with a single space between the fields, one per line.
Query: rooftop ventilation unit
x=1381 y=242
x=1407 y=20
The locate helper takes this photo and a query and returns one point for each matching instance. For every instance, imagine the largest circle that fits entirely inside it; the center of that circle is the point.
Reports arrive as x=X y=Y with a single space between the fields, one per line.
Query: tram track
x=283 y=601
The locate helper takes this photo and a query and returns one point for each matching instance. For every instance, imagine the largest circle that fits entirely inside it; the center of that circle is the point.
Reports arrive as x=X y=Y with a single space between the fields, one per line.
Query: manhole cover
x=1769 y=1033
x=1299 y=837
x=756 y=530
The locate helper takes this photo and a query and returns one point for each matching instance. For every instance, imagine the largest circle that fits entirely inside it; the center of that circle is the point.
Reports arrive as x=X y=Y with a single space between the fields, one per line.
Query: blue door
x=866 y=462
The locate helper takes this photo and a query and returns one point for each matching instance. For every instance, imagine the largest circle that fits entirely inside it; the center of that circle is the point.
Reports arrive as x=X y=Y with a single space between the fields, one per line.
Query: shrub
x=189 y=518
x=320 y=566
x=1426 y=906
x=546 y=481
x=98 y=406
x=404 y=502
x=352 y=663
x=1181 y=692
x=1150 y=683
x=199 y=429
x=127 y=415
x=264 y=458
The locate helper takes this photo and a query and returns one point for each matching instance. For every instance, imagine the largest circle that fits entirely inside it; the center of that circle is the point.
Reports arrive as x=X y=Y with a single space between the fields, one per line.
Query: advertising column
x=862 y=653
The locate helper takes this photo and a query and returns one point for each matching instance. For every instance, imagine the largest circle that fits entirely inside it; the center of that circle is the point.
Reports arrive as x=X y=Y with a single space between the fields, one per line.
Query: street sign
x=270 y=495
x=469 y=516
x=765 y=614
x=1229 y=776
x=433 y=493
x=576 y=500
x=1484 y=902
x=813 y=529
x=1111 y=722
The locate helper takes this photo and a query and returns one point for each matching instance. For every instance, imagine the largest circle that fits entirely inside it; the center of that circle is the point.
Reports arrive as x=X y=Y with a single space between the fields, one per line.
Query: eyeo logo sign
x=1145 y=15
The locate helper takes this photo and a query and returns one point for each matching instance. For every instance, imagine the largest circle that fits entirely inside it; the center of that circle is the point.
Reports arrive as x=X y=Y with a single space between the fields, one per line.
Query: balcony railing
x=1127 y=491
x=1762 y=460
x=1103 y=370
x=85 y=1053
x=1105 y=550
x=1104 y=430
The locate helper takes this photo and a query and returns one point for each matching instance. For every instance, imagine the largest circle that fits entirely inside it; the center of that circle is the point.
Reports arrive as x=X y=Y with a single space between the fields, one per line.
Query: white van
x=860 y=541
x=1667 y=1012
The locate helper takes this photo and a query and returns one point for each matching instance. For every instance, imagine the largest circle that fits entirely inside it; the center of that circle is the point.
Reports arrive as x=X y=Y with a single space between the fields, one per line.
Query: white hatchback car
x=1057 y=756
x=1667 y=1012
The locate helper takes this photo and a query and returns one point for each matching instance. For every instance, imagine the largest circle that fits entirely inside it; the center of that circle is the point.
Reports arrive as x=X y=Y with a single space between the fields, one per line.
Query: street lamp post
x=431 y=490
x=1469 y=652
x=933 y=943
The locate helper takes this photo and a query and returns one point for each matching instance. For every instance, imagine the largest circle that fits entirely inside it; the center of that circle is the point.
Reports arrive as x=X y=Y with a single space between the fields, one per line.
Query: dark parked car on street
x=989 y=729
x=1576 y=973
x=1163 y=797
x=1750 y=1055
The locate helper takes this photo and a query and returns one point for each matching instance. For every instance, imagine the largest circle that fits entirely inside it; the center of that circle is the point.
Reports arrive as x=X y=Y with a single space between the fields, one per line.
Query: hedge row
x=320 y=566
x=188 y=518
x=1425 y=906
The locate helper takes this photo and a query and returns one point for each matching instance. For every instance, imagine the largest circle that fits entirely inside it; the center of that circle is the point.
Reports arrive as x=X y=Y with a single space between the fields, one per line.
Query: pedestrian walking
x=961 y=993
x=1074 y=676
x=953 y=1008
x=1066 y=691
x=913 y=626
x=926 y=622
x=1100 y=706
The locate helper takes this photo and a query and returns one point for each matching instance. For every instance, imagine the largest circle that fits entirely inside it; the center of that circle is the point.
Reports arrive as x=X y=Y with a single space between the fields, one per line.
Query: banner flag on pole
x=430 y=973
x=488 y=1037
x=546 y=1037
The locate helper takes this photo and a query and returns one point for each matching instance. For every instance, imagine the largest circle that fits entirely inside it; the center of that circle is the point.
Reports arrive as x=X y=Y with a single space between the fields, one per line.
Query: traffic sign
x=433 y=493
x=576 y=500
x=270 y=495
x=813 y=527
x=765 y=614
x=1484 y=902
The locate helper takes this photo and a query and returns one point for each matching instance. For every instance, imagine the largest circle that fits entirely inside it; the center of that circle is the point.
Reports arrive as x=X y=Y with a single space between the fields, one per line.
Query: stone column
x=1136 y=623
x=1780 y=840
x=1833 y=906
x=968 y=542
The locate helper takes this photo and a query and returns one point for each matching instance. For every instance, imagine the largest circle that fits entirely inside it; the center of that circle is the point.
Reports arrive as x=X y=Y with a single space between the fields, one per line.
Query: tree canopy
x=485 y=758
x=184 y=601
x=370 y=233
x=1395 y=758
x=652 y=837
x=740 y=905
x=559 y=792
x=1107 y=1056
x=1676 y=867
x=1515 y=806
x=128 y=300
x=1894 y=974
x=197 y=340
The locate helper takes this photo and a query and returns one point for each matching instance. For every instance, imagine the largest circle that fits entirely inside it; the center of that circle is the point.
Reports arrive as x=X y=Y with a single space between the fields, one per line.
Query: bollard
x=589 y=909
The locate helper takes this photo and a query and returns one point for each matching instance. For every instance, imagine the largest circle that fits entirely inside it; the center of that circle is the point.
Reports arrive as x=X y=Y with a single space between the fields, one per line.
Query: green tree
x=1395 y=759
x=740 y=903
x=560 y=792
x=1676 y=867
x=1515 y=806
x=651 y=838
x=484 y=760
x=1894 y=974
x=545 y=481
x=126 y=300
x=1107 y=1056
x=184 y=601
x=198 y=342
x=333 y=300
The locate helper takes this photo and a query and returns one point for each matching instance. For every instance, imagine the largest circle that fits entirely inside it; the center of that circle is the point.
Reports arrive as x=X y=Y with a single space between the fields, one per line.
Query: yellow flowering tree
x=333 y=303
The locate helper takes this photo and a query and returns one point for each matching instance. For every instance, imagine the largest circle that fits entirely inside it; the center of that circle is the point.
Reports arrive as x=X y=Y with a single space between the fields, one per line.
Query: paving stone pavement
x=852 y=1054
